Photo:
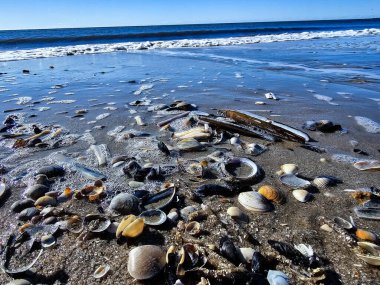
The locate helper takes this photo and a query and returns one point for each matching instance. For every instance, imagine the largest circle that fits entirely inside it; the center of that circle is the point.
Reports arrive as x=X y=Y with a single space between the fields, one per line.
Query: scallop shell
x=154 y=217
x=289 y=168
x=96 y=223
x=254 y=201
x=272 y=194
x=146 y=261
x=302 y=195
x=101 y=271
x=240 y=169
x=365 y=235
x=294 y=181
x=193 y=228
x=48 y=241
x=343 y=223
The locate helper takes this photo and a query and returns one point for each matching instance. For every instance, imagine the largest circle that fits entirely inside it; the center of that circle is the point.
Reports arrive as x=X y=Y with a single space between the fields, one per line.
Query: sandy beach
x=93 y=99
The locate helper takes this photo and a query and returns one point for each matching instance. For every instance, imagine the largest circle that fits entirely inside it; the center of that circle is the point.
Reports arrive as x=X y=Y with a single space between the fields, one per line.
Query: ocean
x=26 y=44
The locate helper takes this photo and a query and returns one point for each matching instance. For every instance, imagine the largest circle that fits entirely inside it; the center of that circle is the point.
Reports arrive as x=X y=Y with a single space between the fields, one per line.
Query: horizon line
x=189 y=24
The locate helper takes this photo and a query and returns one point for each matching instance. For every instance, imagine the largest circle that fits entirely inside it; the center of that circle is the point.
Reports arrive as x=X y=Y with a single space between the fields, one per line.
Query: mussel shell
x=233 y=166
x=367 y=213
x=96 y=223
x=213 y=189
x=254 y=201
x=229 y=251
x=293 y=181
x=146 y=261
x=160 y=199
x=154 y=217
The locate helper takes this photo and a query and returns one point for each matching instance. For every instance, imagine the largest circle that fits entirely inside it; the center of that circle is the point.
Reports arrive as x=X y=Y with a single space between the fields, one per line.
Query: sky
x=33 y=14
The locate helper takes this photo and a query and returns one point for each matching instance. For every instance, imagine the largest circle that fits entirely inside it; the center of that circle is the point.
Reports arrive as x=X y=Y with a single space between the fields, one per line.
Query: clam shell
x=28 y=213
x=343 y=223
x=101 y=271
x=19 y=282
x=321 y=182
x=45 y=201
x=272 y=194
x=277 y=278
x=289 y=168
x=370 y=247
x=240 y=169
x=193 y=228
x=367 y=165
x=52 y=171
x=75 y=224
x=373 y=260
x=48 y=240
x=146 y=261
x=254 y=201
x=293 y=181
x=96 y=223
x=124 y=203
x=124 y=223
x=237 y=214
x=134 y=229
x=160 y=199
x=154 y=217
x=365 y=235
x=302 y=195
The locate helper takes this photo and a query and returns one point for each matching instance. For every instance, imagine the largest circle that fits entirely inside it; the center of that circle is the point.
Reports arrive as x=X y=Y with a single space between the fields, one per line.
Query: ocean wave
x=24 y=54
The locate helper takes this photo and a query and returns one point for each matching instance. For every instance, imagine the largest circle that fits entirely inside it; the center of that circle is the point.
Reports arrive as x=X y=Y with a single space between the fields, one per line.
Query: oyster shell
x=254 y=201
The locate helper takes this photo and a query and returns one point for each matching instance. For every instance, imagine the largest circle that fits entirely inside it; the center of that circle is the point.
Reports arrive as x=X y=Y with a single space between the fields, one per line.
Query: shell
x=160 y=199
x=302 y=195
x=237 y=214
x=289 y=168
x=28 y=213
x=36 y=191
x=272 y=194
x=139 y=121
x=373 y=260
x=45 y=201
x=365 y=235
x=240 y=169
x=124 y=203
x=75 y=224
x=193 y=228
x=293 y=181
x=372 y=248
x=247 y=253
x=343 y=223
x=153 y=217
x=52 y=171
x=130 y=227
x=322 y=182
x=254 y=201
x=367 y=165
x=367 y=213
x=101 y=271
x=277 y=278
x=4 y=190
x=146 y=261
x=20 y=205
x=96 y=223
x=48 y=241
x=19 y=282
x=124 y=223
x=189 y=144
x=186 y=211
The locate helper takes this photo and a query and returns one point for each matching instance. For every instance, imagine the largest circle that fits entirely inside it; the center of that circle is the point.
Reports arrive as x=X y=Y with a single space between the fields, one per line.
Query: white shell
x=289 y=168
x=146 y=261
x=277 y=278
x=293 y=181
x=236 y=213
x=302 y=195
x=247 y=253
x=48 y=241
x=139 y=121
x=321 y=182
x=254 y=201
x=101 y=271
x=343 y=223
x=239 y=162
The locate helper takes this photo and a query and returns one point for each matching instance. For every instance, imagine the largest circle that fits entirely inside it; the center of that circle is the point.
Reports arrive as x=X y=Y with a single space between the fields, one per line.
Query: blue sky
x=23 y=14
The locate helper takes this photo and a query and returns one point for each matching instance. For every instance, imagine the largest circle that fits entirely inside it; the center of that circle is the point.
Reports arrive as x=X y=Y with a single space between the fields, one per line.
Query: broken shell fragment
x=75 y=224
x=146 y=261
x=48 y=241
x=277 y=278
x=189 y=144
x=101 y=271
x=154 y=217
x=193 y=228
x=293 y=181
x=254 y=201
x=272 y=194
x=302 y=195
x=139 y=121
x=240 y=169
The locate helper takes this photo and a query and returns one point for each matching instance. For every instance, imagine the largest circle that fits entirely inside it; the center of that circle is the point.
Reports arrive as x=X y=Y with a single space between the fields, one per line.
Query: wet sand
x=98 y=82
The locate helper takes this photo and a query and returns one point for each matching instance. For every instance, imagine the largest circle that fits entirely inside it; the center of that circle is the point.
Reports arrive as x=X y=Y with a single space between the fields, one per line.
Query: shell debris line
x=181 y=196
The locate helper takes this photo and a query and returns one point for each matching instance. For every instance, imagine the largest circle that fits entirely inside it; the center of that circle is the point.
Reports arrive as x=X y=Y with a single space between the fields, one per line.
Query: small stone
x=135 y=184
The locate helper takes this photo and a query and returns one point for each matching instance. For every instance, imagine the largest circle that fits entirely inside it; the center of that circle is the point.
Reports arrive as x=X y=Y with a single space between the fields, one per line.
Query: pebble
x=185 y=212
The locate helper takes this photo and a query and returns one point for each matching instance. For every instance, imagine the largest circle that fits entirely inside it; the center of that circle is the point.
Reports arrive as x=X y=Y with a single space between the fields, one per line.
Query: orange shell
x=365 y=235
x=272 y=194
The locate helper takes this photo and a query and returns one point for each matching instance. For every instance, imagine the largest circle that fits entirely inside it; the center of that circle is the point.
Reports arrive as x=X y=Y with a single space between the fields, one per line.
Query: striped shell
x=321 y=182
x=302 y=195
x=254 y=201
x=272 y=194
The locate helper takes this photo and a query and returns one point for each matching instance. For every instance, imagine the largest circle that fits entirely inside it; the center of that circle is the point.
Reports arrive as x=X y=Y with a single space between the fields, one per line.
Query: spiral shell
x=272 y=194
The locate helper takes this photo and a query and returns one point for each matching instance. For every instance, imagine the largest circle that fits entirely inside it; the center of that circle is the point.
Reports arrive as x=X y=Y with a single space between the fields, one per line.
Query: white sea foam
x=130 y=46
x=325 y=98
x=369 y=125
